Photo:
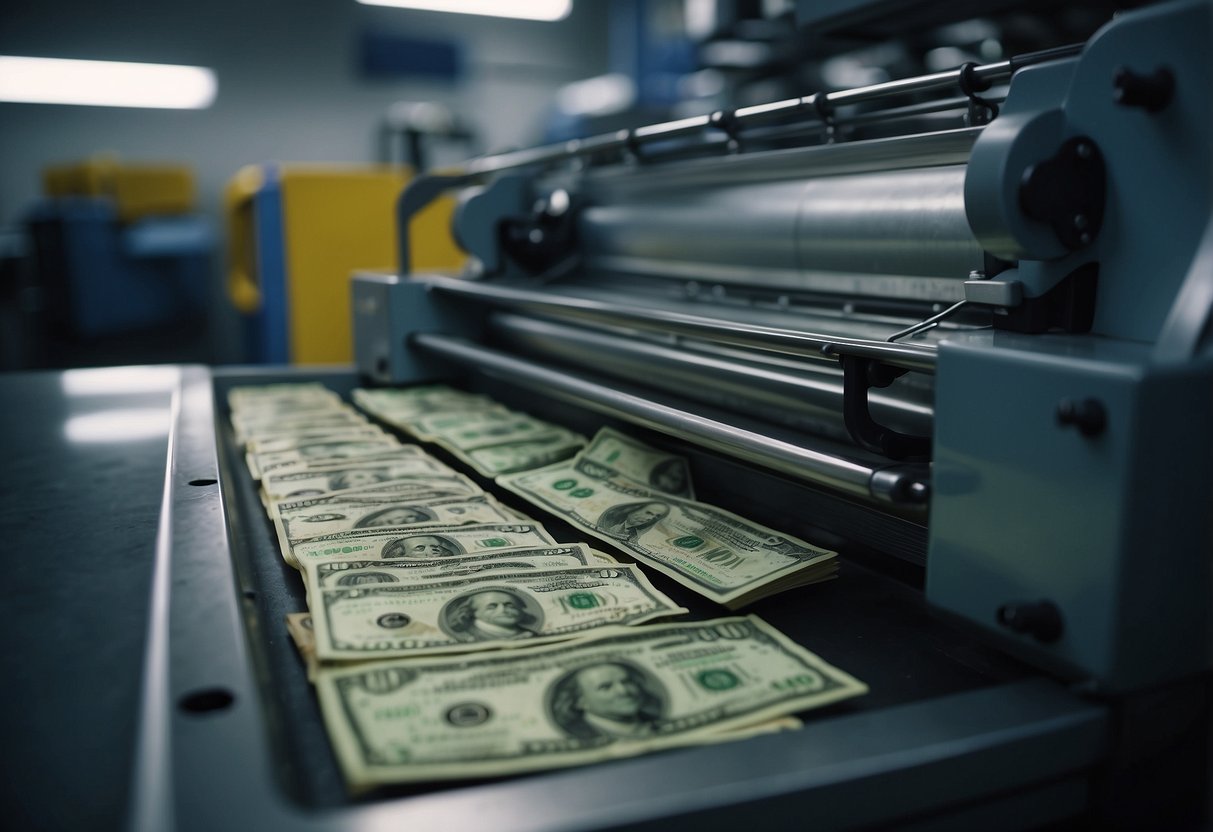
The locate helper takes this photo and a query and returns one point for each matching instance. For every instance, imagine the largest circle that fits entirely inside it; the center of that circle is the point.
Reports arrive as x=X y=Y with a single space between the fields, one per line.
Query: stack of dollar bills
x=450 y=636
x=490 y=438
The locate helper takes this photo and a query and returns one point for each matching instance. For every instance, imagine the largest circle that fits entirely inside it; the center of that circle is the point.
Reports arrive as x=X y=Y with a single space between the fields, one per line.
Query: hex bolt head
x=1151 y=91
x=1040 y=619
x=1088 y=415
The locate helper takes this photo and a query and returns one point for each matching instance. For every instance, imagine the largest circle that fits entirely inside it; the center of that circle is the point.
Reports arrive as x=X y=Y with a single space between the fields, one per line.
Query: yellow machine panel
x=297 y=233
x=138 y=191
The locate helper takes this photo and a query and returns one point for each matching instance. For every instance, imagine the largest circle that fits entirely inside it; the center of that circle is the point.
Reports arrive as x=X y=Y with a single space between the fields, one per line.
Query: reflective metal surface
x=84 y=455
x=792 y=342
x=856 y=234
x=805 y=394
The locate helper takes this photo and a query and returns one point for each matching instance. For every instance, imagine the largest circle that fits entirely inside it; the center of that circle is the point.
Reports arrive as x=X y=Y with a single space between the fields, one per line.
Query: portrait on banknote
x=395 y=516
x=355 y=477
x=424 y=546
x=491 y=614
x=630 y=520
x=606 y=701
x=366 y=578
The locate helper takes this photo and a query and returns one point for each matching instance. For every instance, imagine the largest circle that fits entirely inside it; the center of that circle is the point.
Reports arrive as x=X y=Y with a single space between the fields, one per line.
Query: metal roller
x=808 y=396
x=892 y=233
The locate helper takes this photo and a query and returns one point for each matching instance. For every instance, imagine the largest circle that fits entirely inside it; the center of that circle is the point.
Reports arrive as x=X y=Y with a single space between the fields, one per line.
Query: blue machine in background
x=102 y=277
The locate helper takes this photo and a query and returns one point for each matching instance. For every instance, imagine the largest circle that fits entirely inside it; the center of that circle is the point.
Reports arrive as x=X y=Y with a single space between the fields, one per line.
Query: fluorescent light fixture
x=105 y=83
x=521 y=9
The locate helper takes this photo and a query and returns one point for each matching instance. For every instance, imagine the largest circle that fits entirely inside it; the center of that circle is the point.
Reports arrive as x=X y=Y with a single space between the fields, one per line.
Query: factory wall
x=290 y=86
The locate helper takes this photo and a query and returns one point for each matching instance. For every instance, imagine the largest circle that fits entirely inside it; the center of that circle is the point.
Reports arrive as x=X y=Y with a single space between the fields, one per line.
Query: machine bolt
x=1039 y=619
x=1088 y=415
x=1150 y=91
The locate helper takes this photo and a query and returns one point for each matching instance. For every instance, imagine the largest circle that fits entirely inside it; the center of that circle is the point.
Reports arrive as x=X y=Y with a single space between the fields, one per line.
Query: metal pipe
x=807 y=397
x=753 y=336
x=906 y=486
x=908 y=223
x=811 y=105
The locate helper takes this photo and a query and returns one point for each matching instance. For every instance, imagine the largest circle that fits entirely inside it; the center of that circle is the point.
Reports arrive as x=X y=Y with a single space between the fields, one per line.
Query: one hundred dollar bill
x=275 y=425
x=319 y=479
x=522 y=454
x=344 y=572
x=476 y=429
x=431 y=543
x=385 y=454
x=401 y=406
x=394 y=511
x=493 y=609
x=659 y=470
x=285 y=409
x=716 y=553
x=336 y=433
x=652 y=687
x=320 y=450
x=452 y=482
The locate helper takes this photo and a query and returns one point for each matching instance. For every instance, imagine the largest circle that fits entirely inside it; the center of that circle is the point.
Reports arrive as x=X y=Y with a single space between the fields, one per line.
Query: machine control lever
x=858 y=376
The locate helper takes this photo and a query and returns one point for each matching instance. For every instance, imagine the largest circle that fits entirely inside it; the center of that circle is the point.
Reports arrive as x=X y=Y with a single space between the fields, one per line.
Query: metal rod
x=902 y=485
x=806 y=397
x=754 y=336
x=811 y=106
x=927 y=323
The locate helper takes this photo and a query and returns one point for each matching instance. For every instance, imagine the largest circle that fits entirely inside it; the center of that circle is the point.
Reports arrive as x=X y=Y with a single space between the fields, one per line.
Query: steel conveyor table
x=155 y=686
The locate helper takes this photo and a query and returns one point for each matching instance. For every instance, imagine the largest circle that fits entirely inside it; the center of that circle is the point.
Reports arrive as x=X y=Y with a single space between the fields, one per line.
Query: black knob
x=1088 y=415
x=1039 y=619
x=1151 y=91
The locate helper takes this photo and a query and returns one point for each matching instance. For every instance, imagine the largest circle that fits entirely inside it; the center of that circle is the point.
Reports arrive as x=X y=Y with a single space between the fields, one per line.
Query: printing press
x=953 y=326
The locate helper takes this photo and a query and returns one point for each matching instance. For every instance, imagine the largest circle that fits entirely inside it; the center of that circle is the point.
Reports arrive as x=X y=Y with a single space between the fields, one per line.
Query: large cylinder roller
x=892 y=233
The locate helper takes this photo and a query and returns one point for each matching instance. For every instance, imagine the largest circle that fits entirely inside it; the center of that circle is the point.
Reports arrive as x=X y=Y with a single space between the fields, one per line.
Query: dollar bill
x=451 y=483
x=635 y=460
x=476 y=429
x=386 y=454
x=299 y=626
x=319 y=450
x=356 y=474
x=433 y=542
x=264 y=412
x=318 y=479
x=716 y=553
x=399 y=512
x=343 y=572
x=404 y=405
x=494 y=609
x=647 y=688
x=340 y=433
x=490 y=438
x=522 y=454
x=272 y=426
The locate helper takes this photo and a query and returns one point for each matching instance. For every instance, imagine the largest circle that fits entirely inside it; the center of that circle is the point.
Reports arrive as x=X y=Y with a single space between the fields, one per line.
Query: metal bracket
x=858 y=376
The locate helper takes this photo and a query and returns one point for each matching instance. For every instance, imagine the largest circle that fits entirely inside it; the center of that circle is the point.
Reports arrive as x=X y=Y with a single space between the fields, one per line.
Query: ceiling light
x=521 y=9
x=105 y=83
